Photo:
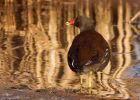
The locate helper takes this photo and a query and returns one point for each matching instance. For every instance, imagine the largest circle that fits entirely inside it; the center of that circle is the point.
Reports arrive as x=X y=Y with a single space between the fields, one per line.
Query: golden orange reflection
x=35 y=41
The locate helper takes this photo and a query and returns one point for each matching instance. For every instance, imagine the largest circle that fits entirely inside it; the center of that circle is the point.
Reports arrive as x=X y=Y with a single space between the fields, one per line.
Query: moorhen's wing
x=93 y=58
x=81 y=54
x=73 y=56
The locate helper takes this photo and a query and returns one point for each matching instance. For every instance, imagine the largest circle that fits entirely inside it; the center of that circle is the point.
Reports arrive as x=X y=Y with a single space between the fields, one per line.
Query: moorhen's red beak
x=70 y=22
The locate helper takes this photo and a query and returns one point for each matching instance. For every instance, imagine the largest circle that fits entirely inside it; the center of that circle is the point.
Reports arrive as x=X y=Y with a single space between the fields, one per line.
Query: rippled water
x=36 y=55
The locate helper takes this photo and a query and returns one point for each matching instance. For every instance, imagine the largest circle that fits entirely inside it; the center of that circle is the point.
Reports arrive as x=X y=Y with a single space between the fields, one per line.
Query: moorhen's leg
x=90 y=81
x=99 y=81
x=81 y=83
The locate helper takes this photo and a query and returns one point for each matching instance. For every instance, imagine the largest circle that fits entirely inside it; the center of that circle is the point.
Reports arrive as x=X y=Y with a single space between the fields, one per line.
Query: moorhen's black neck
x=84 y=23
x=88 y=27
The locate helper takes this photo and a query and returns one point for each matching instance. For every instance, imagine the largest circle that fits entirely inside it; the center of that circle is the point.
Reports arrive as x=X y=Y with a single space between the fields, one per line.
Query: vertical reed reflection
x=34 y=42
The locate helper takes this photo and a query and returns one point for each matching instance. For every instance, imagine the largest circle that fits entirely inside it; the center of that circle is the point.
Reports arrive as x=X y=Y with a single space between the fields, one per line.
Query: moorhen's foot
x=21 y=87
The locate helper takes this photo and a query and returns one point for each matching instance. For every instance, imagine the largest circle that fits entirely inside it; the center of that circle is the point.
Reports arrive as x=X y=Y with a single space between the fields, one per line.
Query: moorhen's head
x=82 y=22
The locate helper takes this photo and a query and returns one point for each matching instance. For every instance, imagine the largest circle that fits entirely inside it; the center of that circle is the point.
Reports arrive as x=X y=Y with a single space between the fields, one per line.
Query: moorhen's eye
x=77 y=22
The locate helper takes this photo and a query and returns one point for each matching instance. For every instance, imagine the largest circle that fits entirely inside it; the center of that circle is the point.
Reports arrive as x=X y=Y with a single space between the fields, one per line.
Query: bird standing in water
x=89 y=52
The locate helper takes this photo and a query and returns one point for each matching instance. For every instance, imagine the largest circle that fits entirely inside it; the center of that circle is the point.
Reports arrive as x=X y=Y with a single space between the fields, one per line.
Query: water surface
x=35 y=41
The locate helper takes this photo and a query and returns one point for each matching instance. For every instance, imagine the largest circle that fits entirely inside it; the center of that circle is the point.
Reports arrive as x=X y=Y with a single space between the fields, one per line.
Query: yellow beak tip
x=67 y=23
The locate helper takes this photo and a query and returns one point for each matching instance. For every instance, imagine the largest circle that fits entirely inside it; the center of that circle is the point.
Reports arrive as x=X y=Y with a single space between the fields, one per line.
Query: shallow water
x=37 y=56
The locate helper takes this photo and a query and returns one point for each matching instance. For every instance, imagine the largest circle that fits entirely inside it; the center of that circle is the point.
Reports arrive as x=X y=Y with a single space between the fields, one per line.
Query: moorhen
x=89 y=51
